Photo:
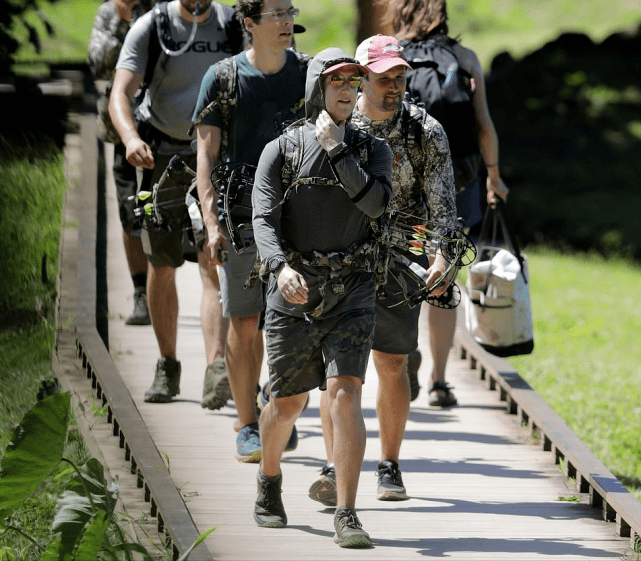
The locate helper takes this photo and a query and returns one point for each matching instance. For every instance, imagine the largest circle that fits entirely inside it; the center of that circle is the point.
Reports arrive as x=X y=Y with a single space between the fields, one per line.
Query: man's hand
x=328 y=133
x=139 y=154
x=124 y=8
x=292 y=285
x=215 y=247
x=435 y=272
x=496 y=188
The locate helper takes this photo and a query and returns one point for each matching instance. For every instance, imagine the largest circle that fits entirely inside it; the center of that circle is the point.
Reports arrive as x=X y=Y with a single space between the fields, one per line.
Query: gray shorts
x=301 y=354
x=237 y=300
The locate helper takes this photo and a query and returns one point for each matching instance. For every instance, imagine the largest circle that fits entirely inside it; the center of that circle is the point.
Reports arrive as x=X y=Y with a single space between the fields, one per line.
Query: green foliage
x=32 y=192
x=85 y=525
x=35 y=451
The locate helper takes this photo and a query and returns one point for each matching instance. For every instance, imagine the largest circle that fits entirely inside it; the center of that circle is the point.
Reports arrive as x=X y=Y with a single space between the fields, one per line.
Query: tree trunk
x=372 y=19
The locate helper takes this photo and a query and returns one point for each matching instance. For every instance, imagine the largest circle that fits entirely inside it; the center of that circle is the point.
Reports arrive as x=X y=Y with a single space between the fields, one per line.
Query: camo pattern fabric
x=296 y=349
x=107 y=36
x=422 y=175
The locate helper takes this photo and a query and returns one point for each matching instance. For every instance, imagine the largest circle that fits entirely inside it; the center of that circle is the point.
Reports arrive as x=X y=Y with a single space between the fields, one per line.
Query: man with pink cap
x=423 y=189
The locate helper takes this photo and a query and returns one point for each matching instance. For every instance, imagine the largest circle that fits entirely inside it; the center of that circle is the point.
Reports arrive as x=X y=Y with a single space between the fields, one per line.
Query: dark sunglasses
x=337 y=80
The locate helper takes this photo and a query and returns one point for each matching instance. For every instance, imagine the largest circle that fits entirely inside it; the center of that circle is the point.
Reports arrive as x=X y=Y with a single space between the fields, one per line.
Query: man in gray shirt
x=165 y=116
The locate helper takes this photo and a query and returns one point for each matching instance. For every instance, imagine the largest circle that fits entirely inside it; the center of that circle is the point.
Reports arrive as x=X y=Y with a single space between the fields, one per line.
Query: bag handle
x=499 y=217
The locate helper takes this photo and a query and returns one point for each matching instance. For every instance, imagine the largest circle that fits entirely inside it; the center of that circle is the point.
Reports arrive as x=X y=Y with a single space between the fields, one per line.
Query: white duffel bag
x=498 y=310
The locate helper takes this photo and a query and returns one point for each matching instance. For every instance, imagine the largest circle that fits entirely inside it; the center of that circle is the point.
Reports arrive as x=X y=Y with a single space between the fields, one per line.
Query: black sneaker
x=292 y=443
x=390 y=482
x=441 y=394
x=269 y=511
x=166 y=381
x=323 y=489
x=140 y=315
x=216 y=391
x=413 y=364
x=349 y=532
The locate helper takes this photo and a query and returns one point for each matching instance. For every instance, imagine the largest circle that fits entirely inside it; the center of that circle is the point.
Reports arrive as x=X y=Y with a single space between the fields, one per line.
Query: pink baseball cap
x=380 y=53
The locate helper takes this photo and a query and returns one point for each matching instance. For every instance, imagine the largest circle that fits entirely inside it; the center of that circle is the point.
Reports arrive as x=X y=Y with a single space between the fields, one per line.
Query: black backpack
x=445 y=90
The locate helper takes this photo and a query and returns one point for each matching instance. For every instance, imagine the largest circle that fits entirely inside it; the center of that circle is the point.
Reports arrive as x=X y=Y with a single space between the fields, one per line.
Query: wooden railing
x=166 y=503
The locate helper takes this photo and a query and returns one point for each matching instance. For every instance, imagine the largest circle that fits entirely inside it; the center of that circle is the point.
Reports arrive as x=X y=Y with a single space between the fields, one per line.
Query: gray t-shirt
x=171 y=97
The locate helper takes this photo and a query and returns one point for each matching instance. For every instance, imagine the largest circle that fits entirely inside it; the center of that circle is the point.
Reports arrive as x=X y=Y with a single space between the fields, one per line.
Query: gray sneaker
x=216 y=391
x=248 y=448
x=390 y=482
x=166 y=381
x=269 y=511
x=349 y=532
x=140 y=315
x=323 y=489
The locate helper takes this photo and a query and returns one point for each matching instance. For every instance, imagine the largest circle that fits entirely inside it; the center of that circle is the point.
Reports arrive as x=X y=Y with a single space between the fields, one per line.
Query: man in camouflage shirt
x=423 y=188
x=110 y=27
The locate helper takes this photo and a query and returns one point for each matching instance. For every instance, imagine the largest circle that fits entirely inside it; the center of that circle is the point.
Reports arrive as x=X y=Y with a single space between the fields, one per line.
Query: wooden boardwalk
x=479 y=487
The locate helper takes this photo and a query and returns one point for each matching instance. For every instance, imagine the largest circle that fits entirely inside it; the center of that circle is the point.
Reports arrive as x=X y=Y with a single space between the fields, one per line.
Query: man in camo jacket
x=112 y=23
x=423 y=188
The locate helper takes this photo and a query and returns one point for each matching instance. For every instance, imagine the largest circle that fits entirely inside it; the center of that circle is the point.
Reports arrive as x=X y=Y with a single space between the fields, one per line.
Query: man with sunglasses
x=267 y=83
x=317 y=188
x=423 y=189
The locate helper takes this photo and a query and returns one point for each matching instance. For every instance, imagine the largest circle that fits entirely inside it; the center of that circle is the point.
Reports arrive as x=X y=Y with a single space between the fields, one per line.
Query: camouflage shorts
x=302 y=354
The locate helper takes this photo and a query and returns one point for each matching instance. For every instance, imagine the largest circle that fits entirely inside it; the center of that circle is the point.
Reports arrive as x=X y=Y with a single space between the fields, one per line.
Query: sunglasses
x=280 y=13
x=337 y=80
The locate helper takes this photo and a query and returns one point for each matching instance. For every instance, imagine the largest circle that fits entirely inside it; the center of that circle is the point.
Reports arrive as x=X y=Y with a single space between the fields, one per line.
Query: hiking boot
x=166 y=381
x=349 y=532
x=323 y=489
x=248 y=448
x=441 y=394
x=413 y=363
x=269 y=511
x=216 y=391
x=292 y=443
x=140 y=315
x=390 y=482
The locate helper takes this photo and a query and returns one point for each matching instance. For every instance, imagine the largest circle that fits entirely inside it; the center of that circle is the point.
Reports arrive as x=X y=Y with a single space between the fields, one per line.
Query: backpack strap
x=412 y=118
x=226 y=74
x=159 y=21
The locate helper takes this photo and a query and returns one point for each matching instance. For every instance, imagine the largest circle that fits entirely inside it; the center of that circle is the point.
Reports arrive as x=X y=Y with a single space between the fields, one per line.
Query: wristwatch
x=276 y=263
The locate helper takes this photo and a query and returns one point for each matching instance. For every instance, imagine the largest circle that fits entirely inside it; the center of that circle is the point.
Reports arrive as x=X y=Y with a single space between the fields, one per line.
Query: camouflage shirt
x=422 y=176
x=107 y=36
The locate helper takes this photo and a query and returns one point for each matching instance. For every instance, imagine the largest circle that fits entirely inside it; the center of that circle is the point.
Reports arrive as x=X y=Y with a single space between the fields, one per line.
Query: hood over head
x=327 y=60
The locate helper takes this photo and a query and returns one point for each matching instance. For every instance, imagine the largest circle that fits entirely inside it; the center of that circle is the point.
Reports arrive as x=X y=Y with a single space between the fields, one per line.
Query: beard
x=392 y=103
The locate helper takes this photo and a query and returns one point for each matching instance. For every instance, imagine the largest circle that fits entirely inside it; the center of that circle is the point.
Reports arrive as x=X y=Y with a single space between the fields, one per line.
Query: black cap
x=299 y=28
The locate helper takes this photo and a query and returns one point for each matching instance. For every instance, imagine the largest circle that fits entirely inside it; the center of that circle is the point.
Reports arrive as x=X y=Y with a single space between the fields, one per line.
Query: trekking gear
x=443 y=396
x=166 y=382
x=216 y=391
x=248 y=448
x=390 y=482
x=269 y=511
x=233 y=182
x=349 y=531
x=181 y=211
x=323 y=489
x=396 y=237
x=446 y=90
x=140 y=315
x=498 y=310
x=161 y=37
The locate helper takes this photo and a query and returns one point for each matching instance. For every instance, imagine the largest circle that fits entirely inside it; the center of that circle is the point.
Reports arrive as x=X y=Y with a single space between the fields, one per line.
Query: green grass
x=586 y=362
